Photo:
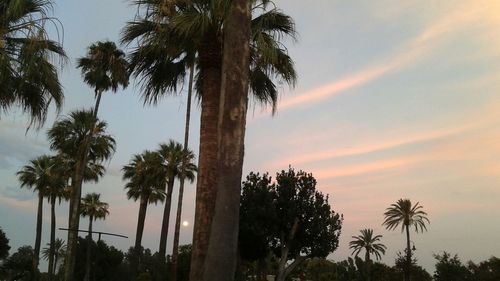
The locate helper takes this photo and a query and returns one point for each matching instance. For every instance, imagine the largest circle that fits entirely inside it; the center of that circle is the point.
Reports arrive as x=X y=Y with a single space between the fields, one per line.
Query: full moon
x=185 y=223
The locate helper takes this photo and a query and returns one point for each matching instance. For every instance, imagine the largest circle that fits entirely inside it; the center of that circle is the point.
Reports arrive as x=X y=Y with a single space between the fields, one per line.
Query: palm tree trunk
x=408 y=254
x=140 y=222
x=138 y=236
x=76 y=195
x=98 y=95
x=210 y=63
x=175 y=250
x=367 y=265
x=38 y=237
x=220 y=263
x=52 y=236
x=89 y=250
x=166 y=218
x=74 y=219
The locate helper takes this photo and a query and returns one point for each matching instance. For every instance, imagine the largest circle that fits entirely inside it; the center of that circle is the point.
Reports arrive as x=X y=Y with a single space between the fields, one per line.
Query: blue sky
x=394 y=100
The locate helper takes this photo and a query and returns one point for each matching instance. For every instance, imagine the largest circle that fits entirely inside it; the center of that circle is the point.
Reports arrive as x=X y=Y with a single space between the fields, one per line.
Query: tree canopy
x=289 y=219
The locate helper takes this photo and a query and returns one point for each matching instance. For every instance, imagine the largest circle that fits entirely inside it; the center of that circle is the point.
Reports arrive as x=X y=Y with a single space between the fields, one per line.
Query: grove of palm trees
x=184 y=140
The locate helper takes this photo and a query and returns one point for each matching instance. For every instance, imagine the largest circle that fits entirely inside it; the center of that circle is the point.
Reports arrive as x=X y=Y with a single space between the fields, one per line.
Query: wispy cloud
x=467 y=14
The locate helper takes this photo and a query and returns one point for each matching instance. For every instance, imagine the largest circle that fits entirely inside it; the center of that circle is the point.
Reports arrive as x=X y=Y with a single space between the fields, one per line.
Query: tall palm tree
x=59 y=251
x=57 y=191
x=27 y=74
x=146 y=182
x=188 y=168
x=39 y=176
x=82 y=138
x=370 y=243
x=220 y=262
x=93 y=208
x=172 y=155
x=104 y=68
x=168 y=34
x=407 y=215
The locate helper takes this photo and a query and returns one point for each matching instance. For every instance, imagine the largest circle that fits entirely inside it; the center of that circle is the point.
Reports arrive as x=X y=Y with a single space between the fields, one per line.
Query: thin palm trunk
x=408 y=254
x=74 y=219
x=175 y=250
x=97 y=102
x=367 y=265
x=166 y=217
x=52 y=237
x=210 y=60
x=89 y=250
x=140 y=223
x=220 y=263
x=38 y=237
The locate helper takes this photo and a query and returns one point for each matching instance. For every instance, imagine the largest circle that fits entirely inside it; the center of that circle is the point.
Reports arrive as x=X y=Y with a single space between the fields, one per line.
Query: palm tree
x=168 y=34
x=56 y=191
x=366 y=241
x=188 y=168
x=104 y=68
x=59 y=251
x=171 y=154
x=28 y=77
x=93 y=208
x=146 y=182
x=39 y=176
x=407 y=215
x=220 y=262
x=82 y=138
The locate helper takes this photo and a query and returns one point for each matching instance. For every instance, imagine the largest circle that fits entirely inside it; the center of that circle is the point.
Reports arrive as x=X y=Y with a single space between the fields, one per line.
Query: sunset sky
x=395 y=99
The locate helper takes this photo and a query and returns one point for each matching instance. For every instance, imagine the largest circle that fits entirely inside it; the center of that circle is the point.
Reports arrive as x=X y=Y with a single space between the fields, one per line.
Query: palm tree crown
x=169 y=36
x=172 y=154
x=28 y=78
x=368 y=242
x=38 y=175
x=105 y=67
x=406 y=214
x=68 y=136
x=93 y=207
x=145 y=177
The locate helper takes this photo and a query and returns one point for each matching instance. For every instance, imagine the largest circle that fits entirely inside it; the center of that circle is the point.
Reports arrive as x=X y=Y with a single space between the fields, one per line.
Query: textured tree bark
x=220 y=262
x=88 y=262
x=52 y=237
x=38 y=237
x=210 y=62
x=166 y=218
x=175 y=250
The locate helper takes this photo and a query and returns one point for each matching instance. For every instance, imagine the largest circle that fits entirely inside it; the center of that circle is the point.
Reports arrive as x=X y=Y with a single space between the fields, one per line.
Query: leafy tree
x=4 y=245
x=104 y=68
x=407 y=215
x=316 y=269
x=28 y=77
x=83 y=139
x=169 y=35
x=450 y=268
x=300 y=221
x=40 y=175
x=172 y=154
x=93 y=208
x=486 y=270
x=19 y=266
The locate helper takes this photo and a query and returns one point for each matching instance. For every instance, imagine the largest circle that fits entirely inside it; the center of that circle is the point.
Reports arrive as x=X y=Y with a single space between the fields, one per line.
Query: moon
x=185 y=223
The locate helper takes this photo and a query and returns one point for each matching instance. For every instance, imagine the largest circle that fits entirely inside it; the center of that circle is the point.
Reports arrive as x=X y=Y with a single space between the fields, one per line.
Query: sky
x=395 y=99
